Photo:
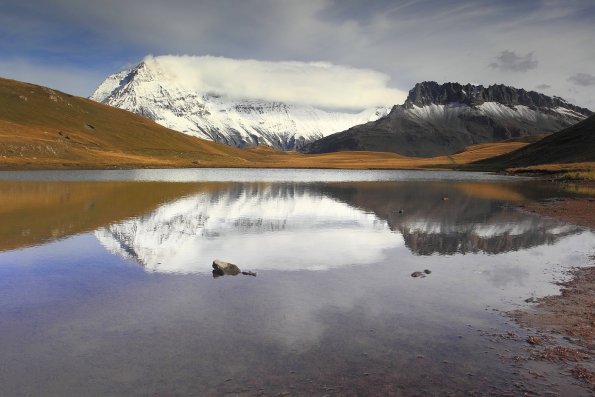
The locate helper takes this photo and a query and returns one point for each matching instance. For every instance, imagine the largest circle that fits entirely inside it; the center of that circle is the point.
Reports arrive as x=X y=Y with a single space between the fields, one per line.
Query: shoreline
x=559 y=176
x=563 y=325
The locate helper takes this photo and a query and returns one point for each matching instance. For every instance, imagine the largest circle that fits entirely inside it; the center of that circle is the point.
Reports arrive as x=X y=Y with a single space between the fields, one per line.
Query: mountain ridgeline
x=432 y=93
x=44 y=128
x=435 y=120
x=442 y=119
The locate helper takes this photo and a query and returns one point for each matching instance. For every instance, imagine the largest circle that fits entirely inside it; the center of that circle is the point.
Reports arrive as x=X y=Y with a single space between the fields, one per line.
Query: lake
x=106 y=284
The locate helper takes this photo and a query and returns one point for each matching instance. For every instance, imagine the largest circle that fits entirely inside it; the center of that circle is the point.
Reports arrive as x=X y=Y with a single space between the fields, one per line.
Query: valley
x=45 y=129
x=41 y=128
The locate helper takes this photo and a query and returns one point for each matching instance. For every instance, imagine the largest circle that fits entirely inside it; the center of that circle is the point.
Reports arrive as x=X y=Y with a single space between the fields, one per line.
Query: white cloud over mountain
x=410 y=41
x=320 y=84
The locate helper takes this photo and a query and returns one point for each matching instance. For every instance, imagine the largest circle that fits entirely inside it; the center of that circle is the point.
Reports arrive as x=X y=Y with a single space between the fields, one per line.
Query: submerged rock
x=421 y=274
x=225 y=268
x=221 y=268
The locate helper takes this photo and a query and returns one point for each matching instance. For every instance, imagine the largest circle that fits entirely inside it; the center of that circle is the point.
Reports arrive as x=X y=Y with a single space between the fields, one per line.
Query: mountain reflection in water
x=294 y=226
x=76 y=319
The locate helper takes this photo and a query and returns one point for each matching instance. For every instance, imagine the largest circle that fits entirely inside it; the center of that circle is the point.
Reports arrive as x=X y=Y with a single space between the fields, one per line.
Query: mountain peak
x=156 y=92
x=431 y=92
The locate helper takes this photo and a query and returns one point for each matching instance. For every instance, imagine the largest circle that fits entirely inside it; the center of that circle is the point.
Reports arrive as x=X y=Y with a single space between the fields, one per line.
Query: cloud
x=103 y=36
x=510 y=61
x=543 y=86
x=320 y=84
x=582 y=79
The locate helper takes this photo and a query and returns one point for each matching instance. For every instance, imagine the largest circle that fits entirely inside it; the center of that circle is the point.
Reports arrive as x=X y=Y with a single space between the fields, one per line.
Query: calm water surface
x=106 y=285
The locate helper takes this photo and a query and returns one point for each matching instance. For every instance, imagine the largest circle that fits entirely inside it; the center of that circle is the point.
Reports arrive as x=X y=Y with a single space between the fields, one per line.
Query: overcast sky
x=548 y=46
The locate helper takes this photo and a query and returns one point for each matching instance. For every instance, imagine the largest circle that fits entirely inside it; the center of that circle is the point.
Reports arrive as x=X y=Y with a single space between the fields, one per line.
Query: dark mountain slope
x=572 y=145
x=444 y=119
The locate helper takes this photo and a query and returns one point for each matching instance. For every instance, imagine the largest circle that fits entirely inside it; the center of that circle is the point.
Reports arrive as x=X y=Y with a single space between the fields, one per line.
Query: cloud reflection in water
x=293 y=226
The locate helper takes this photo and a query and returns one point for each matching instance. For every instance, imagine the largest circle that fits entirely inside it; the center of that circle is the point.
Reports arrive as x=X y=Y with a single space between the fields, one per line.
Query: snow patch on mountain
x=452 y=112
x=486 y=231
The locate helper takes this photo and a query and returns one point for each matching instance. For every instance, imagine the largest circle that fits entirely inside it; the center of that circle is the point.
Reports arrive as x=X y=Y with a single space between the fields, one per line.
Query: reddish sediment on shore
x=579 y=211
x=572 y=313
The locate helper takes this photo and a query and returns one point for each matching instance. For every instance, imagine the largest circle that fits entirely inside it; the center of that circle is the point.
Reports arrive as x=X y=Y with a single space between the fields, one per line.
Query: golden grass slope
x=41 y=128
x=46 y=211
x=44 y=128
x=381 y=160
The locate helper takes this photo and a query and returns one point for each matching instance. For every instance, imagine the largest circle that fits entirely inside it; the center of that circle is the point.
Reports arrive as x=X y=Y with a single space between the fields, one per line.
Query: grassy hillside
x=385 y=160
x=44 y=128
x=575 y=144
x=41 y=128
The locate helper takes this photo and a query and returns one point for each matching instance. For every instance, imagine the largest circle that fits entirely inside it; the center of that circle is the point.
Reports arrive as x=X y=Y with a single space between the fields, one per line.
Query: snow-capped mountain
x=152 y=90
x=296 y=226
x=272 y=227
x=439 y=119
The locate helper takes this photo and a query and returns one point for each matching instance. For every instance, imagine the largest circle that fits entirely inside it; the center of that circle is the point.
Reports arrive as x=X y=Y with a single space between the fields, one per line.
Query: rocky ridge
x=442 y=119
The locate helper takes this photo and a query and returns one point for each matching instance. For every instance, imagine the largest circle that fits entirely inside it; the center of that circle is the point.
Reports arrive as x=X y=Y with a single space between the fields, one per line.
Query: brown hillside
x=44 y=128
x=41 y=128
